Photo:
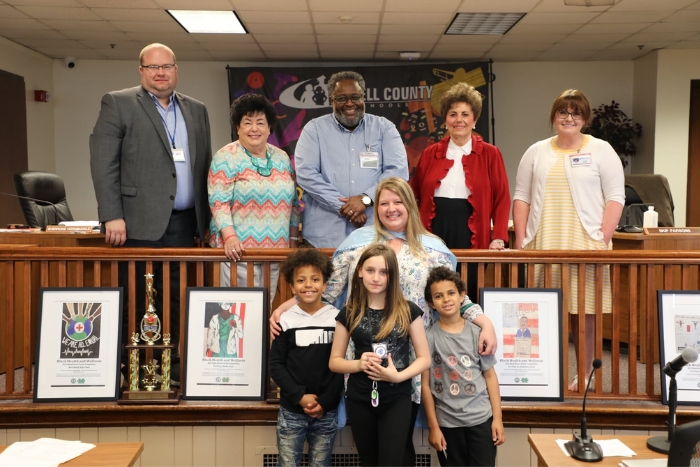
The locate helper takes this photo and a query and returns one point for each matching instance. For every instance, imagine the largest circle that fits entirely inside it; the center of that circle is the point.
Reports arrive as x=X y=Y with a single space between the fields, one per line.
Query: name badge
x=178 y=155
x=580 y=160
x=369 y=160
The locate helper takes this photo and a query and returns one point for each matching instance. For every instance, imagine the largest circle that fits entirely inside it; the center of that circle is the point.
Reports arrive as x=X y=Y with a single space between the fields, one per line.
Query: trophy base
x=150 y=397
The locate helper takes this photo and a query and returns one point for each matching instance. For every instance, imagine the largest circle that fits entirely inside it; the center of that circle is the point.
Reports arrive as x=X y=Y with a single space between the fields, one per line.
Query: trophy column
x=145 y=387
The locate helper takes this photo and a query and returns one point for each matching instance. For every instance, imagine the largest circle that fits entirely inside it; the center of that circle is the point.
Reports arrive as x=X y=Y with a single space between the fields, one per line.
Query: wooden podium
x=667 y=241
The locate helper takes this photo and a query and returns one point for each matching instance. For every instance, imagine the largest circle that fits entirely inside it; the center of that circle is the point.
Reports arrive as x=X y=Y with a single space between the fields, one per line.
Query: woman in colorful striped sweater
x=252 y=192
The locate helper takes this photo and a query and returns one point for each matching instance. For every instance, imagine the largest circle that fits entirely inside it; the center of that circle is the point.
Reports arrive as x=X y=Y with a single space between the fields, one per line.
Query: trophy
x=147 y=390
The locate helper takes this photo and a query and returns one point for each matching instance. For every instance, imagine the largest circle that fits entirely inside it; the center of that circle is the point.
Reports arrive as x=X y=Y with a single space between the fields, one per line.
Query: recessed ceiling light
x=346 y=19
x=208 y=22
x=483 y=23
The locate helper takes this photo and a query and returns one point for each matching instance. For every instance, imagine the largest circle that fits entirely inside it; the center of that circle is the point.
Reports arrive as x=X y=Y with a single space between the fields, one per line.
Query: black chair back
x=48 y=205
x=684 y=446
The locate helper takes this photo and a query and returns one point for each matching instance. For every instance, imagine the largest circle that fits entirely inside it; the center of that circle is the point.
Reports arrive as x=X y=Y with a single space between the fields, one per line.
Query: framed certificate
x=225 y=343
x=679 y=327
x=529 y=355
x=78 y=342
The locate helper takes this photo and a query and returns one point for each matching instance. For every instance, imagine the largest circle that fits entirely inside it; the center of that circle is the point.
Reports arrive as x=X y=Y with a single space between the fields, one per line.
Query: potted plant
x=614 y=126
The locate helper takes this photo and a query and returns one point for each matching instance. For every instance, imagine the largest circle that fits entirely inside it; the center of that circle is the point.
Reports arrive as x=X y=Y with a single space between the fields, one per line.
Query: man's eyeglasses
x=154 y=68
x=563 y=114
x=356 y=98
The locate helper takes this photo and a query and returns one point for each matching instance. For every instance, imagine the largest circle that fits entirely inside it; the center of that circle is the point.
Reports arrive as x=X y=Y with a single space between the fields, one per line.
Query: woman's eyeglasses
x=563 y=114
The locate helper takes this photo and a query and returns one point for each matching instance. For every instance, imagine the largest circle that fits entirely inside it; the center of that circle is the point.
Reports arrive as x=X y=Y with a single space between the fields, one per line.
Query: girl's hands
x=377 y=372
x=367 y=360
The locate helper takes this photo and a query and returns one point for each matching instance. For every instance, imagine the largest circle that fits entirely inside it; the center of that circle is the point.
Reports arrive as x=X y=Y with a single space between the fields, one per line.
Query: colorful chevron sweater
x=260 y=209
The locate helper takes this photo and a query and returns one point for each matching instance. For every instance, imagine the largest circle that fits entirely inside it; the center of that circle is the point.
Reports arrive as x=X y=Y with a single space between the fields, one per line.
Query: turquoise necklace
x=263 y=169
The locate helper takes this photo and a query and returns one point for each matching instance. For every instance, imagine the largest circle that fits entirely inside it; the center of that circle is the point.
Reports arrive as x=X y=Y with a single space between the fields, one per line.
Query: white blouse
x=453 y=185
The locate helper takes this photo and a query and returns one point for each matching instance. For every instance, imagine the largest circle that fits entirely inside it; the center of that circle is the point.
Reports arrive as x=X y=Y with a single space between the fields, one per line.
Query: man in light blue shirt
x=340 y=158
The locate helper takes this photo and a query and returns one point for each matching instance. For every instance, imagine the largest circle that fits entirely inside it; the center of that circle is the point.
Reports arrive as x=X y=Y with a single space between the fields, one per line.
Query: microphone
x=582 y=446
x=631 y=228
x=41 y=201
x=689 y=355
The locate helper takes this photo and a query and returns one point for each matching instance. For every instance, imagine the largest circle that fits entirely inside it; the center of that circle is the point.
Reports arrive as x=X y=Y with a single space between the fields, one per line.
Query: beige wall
x=37 y=73
x=186 y=446
x=676 y=68
x=645 y=94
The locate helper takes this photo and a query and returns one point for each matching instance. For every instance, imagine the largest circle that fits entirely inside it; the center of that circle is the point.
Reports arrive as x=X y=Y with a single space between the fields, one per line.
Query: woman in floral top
x=398 y=224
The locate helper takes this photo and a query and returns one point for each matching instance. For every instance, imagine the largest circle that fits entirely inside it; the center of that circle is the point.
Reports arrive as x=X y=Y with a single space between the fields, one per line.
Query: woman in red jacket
x=458 y=202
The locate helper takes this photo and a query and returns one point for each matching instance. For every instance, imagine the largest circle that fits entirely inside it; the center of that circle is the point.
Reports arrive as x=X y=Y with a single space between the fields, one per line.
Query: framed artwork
x=225 y=343
x=529 y=355
x=679 y=327
x=78 y=343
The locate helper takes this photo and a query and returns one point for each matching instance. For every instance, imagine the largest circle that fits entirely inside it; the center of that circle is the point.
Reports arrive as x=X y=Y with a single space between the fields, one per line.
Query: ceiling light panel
x=483 y=23
x=208 y=22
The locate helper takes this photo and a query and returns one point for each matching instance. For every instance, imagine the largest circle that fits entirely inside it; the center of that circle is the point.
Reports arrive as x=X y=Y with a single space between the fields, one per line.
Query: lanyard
x=172 y=137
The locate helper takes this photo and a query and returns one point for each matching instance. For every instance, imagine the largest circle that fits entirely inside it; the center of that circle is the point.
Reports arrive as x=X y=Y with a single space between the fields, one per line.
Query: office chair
x=684 y=450
x=48 y=205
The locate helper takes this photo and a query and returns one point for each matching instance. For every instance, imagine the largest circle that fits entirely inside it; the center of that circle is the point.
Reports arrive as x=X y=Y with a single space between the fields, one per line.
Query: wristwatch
x=366 y=200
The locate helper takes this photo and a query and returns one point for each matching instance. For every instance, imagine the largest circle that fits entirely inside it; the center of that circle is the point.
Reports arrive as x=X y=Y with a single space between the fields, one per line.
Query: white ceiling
x=310 y=30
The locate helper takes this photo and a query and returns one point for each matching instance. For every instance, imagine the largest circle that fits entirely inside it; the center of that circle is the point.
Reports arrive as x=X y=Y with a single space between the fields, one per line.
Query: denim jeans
x=293 y=429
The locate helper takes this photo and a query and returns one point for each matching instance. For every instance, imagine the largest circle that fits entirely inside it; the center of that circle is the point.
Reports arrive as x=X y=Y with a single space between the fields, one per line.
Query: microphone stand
x=662 y=443
x=582 y=447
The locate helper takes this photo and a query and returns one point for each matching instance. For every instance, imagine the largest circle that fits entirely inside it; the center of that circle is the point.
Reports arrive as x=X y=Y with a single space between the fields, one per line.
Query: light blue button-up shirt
x=328 y=167
x=176 y=129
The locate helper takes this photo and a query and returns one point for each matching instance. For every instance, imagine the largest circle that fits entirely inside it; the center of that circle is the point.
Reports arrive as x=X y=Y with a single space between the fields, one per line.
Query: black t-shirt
x=359 y=384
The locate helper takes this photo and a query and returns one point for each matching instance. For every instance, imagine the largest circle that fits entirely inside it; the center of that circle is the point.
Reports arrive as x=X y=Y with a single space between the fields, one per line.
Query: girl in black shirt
x=381 y=323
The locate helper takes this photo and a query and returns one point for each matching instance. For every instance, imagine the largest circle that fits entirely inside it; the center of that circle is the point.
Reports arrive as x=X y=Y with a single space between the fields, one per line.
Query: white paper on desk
x=44 y=452
x=610 y=447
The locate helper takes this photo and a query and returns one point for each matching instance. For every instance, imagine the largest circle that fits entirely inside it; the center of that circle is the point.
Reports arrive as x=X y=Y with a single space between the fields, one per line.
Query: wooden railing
x=631 y=328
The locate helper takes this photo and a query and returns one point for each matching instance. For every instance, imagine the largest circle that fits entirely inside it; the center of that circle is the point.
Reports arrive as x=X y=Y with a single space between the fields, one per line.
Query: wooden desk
x=53 y=238
x=550 y=454
x=106 y=454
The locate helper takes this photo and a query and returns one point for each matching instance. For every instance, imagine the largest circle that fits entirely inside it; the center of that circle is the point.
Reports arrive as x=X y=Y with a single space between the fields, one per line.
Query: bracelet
x=229 y=236
x=500 y=242
x=294 y=238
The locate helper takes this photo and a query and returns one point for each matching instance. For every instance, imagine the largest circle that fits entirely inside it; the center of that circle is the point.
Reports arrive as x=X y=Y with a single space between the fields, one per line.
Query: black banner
x=409 y=96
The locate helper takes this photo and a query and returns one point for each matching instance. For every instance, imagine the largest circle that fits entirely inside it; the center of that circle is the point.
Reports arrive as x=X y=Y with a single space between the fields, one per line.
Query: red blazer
x=485 y=176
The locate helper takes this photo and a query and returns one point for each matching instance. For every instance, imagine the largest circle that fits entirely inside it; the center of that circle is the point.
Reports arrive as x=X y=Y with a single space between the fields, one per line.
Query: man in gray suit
x=150 y=152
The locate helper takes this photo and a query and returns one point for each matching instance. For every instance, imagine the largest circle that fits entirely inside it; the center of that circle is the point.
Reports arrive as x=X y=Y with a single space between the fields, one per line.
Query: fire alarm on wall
x=42 y=96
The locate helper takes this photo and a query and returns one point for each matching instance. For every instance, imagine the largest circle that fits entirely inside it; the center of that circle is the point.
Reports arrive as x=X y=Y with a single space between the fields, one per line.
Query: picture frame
x=230 y=364
x=530 y=351
x=78 y=344
x=679 y=327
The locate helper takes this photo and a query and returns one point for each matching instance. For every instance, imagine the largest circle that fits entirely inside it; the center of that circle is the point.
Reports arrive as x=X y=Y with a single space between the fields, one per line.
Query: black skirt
x=451 y=222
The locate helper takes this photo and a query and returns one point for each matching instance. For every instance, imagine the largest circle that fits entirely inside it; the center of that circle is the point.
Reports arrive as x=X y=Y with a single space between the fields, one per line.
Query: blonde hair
x=397 y=313
x=574 y=99
x=155 y=45
x=414 y=228
x=461 y=92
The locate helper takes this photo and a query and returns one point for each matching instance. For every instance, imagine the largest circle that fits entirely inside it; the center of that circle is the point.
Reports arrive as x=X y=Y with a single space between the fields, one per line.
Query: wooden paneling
x=13 y=143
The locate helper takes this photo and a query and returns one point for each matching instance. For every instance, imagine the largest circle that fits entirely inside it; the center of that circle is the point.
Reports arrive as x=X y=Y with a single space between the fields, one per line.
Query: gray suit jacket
x=132 y=165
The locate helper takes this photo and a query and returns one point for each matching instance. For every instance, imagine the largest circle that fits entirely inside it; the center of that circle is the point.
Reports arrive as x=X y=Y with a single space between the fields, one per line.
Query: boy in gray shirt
x=460 y=391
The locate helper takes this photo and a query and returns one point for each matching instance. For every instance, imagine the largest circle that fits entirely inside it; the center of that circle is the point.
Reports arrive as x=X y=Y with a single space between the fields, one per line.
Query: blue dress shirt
x=328 y=167
x=176 y=129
